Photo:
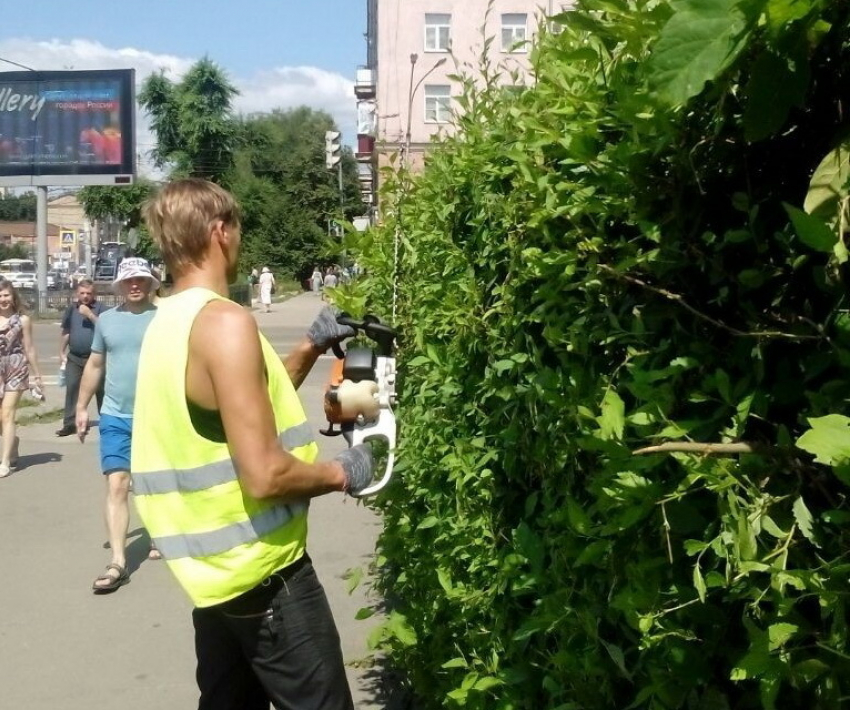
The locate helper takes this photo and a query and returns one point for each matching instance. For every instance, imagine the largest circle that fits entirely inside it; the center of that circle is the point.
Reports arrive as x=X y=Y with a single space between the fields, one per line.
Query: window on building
x=438 y=32
x=438 y=99
x=515 y=32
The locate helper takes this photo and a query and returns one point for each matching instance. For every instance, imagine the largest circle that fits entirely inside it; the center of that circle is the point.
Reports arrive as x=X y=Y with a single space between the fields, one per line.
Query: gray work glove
x=359 y=466
x=326 y=332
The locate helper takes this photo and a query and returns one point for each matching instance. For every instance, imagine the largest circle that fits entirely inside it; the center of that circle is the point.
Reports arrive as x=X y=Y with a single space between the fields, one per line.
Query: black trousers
x=74 y=367
x=277 y=643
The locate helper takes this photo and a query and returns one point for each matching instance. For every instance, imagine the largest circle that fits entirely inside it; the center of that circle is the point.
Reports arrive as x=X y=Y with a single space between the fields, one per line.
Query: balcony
x=364 y=83
x=365 y=149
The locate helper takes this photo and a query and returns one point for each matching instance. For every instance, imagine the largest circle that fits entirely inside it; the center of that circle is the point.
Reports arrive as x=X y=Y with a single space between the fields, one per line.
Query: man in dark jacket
x=75 y=348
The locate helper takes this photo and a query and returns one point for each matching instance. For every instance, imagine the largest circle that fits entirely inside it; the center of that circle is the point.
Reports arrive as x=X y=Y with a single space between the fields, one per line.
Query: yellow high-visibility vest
x=217 y=540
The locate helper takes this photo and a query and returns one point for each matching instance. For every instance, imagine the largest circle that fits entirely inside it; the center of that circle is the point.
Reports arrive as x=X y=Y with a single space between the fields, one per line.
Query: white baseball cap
x=134 y=267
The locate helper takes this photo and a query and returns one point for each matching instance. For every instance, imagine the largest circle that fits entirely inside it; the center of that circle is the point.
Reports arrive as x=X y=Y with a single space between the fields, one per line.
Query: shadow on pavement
x=26 y=461
x=138 y=548
x=386 y=687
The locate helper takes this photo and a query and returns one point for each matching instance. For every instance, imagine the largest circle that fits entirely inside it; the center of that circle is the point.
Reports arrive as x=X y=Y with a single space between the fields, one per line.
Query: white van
x=22 y=273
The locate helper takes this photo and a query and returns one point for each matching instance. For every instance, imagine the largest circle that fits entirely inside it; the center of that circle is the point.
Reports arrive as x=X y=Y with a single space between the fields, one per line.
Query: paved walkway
x=61 y=647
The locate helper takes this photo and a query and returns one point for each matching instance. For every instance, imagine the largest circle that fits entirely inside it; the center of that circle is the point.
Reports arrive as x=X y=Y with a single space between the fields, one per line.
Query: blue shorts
x=115 y=437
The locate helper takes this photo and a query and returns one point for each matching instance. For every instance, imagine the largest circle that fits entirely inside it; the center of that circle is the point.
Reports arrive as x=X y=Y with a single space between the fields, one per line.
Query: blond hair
x=181 y=216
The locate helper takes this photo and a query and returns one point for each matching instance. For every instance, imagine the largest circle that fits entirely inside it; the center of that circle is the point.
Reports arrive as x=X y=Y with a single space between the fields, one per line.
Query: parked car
x=22 y=273
x=58 y=280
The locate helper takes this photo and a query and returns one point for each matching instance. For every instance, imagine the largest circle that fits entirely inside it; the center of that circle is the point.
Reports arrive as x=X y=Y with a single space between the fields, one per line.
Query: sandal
x=113 y=582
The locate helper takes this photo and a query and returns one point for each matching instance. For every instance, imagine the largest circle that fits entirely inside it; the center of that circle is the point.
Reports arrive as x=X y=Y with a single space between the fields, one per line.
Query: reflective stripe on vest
x=204 y=544
x=217 y=540
x=213 y=474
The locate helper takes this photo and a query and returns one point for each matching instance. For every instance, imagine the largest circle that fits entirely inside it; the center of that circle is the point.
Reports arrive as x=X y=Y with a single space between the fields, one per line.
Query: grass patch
x=47 y=415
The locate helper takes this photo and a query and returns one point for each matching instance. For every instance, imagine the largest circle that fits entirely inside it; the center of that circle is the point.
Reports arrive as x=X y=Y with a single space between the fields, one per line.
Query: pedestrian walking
x=223 y=469
x=316 y=280
x=77 y=332
x=267 y=285
x=330 y=282
x=114 y=358
x=18 y=359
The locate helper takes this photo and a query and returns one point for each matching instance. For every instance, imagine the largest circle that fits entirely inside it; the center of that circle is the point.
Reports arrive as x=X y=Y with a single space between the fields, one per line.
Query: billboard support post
x=41 y=241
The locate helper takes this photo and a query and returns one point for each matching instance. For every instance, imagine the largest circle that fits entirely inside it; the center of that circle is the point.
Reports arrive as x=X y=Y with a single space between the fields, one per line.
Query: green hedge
x=615 y=258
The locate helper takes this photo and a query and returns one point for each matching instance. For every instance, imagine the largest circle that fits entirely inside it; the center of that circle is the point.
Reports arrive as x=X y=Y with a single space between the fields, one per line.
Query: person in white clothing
x=266 y=288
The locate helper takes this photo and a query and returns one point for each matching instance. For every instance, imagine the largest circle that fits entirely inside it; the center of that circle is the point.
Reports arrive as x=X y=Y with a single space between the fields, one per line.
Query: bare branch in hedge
x=766 y=334
x=707 y=448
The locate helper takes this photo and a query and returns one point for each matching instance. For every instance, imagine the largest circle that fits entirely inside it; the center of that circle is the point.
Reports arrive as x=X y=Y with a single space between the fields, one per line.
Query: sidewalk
x=62 y=647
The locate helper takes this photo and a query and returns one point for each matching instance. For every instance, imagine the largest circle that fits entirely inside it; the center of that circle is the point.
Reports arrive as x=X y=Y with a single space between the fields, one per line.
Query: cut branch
x=766 y=334
x=709 y=449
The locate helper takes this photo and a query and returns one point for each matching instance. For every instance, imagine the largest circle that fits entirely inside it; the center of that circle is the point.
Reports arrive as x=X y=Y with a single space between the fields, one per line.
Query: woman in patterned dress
x=17 y=359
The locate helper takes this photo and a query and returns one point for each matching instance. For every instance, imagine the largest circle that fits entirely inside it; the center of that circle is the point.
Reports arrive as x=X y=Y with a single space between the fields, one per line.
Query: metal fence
x=52 y=304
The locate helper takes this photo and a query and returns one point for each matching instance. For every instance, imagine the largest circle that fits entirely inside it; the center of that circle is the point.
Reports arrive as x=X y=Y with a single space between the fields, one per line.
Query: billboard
x=67 y=127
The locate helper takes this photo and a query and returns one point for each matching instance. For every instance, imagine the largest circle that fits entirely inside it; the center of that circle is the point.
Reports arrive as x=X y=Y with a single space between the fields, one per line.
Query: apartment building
x=405 y=93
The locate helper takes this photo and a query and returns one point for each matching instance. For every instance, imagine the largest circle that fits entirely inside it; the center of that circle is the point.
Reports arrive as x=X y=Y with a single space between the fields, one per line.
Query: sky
x=278 y=53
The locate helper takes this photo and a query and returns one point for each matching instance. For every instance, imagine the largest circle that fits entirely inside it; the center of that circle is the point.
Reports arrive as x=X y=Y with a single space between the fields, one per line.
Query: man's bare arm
x=300 y=361
x=92 y=375
x=324 y=333
x=228 y=374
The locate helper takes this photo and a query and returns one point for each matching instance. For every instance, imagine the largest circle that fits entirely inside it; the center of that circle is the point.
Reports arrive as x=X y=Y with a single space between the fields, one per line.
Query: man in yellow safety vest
x=223 y=465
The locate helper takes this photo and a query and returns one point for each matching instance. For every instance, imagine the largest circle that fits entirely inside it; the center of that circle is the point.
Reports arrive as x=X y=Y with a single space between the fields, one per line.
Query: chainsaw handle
x=384 y=429
x=338 y=351
x=382 y=334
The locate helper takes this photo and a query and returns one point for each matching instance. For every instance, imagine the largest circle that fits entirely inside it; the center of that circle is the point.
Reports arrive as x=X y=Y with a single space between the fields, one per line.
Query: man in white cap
x=115 y=353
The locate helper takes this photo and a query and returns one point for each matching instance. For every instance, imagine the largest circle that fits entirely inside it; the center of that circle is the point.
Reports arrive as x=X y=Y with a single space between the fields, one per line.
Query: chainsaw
x=361 y=393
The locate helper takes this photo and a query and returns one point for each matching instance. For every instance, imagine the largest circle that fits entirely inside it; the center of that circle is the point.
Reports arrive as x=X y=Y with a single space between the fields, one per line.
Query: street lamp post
x=411 y=92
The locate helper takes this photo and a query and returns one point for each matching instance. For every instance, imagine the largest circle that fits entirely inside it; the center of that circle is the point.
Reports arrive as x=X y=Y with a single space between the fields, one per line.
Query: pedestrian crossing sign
x=68 y=237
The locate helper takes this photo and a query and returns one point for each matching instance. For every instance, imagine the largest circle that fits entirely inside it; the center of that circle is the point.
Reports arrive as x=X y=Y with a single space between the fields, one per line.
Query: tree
x=18 y=208
x=192 y=121
x=122 y=204
x=287 y=195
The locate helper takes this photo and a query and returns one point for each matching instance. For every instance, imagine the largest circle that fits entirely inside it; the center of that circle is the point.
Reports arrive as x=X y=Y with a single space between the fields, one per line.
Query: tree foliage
x=273 y=163
x=123 y=204
x=192 y=121
x=646 y=248
x=287 y=194
x=120 y=202
x=18 y=208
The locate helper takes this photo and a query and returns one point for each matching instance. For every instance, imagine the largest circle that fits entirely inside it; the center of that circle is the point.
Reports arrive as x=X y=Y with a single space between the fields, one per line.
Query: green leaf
x=770 y=527
x=364 y=613
x=455 y=663
x=804 y=520
x=776 y=85
x=828 y=439
x=779 y=634
x=486 y=682
x=579 y=520
x=810 y=670
x=398 y=627
x=813 y=232
x=698 y=42
x=352 y=577
x=445 y=580
x=699 y=583
x=613 y=417
x=429 y=522
x=617 y=656
x=828 y=185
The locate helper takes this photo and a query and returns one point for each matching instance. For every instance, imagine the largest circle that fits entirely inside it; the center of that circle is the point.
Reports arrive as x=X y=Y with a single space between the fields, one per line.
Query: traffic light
x=333 y=149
